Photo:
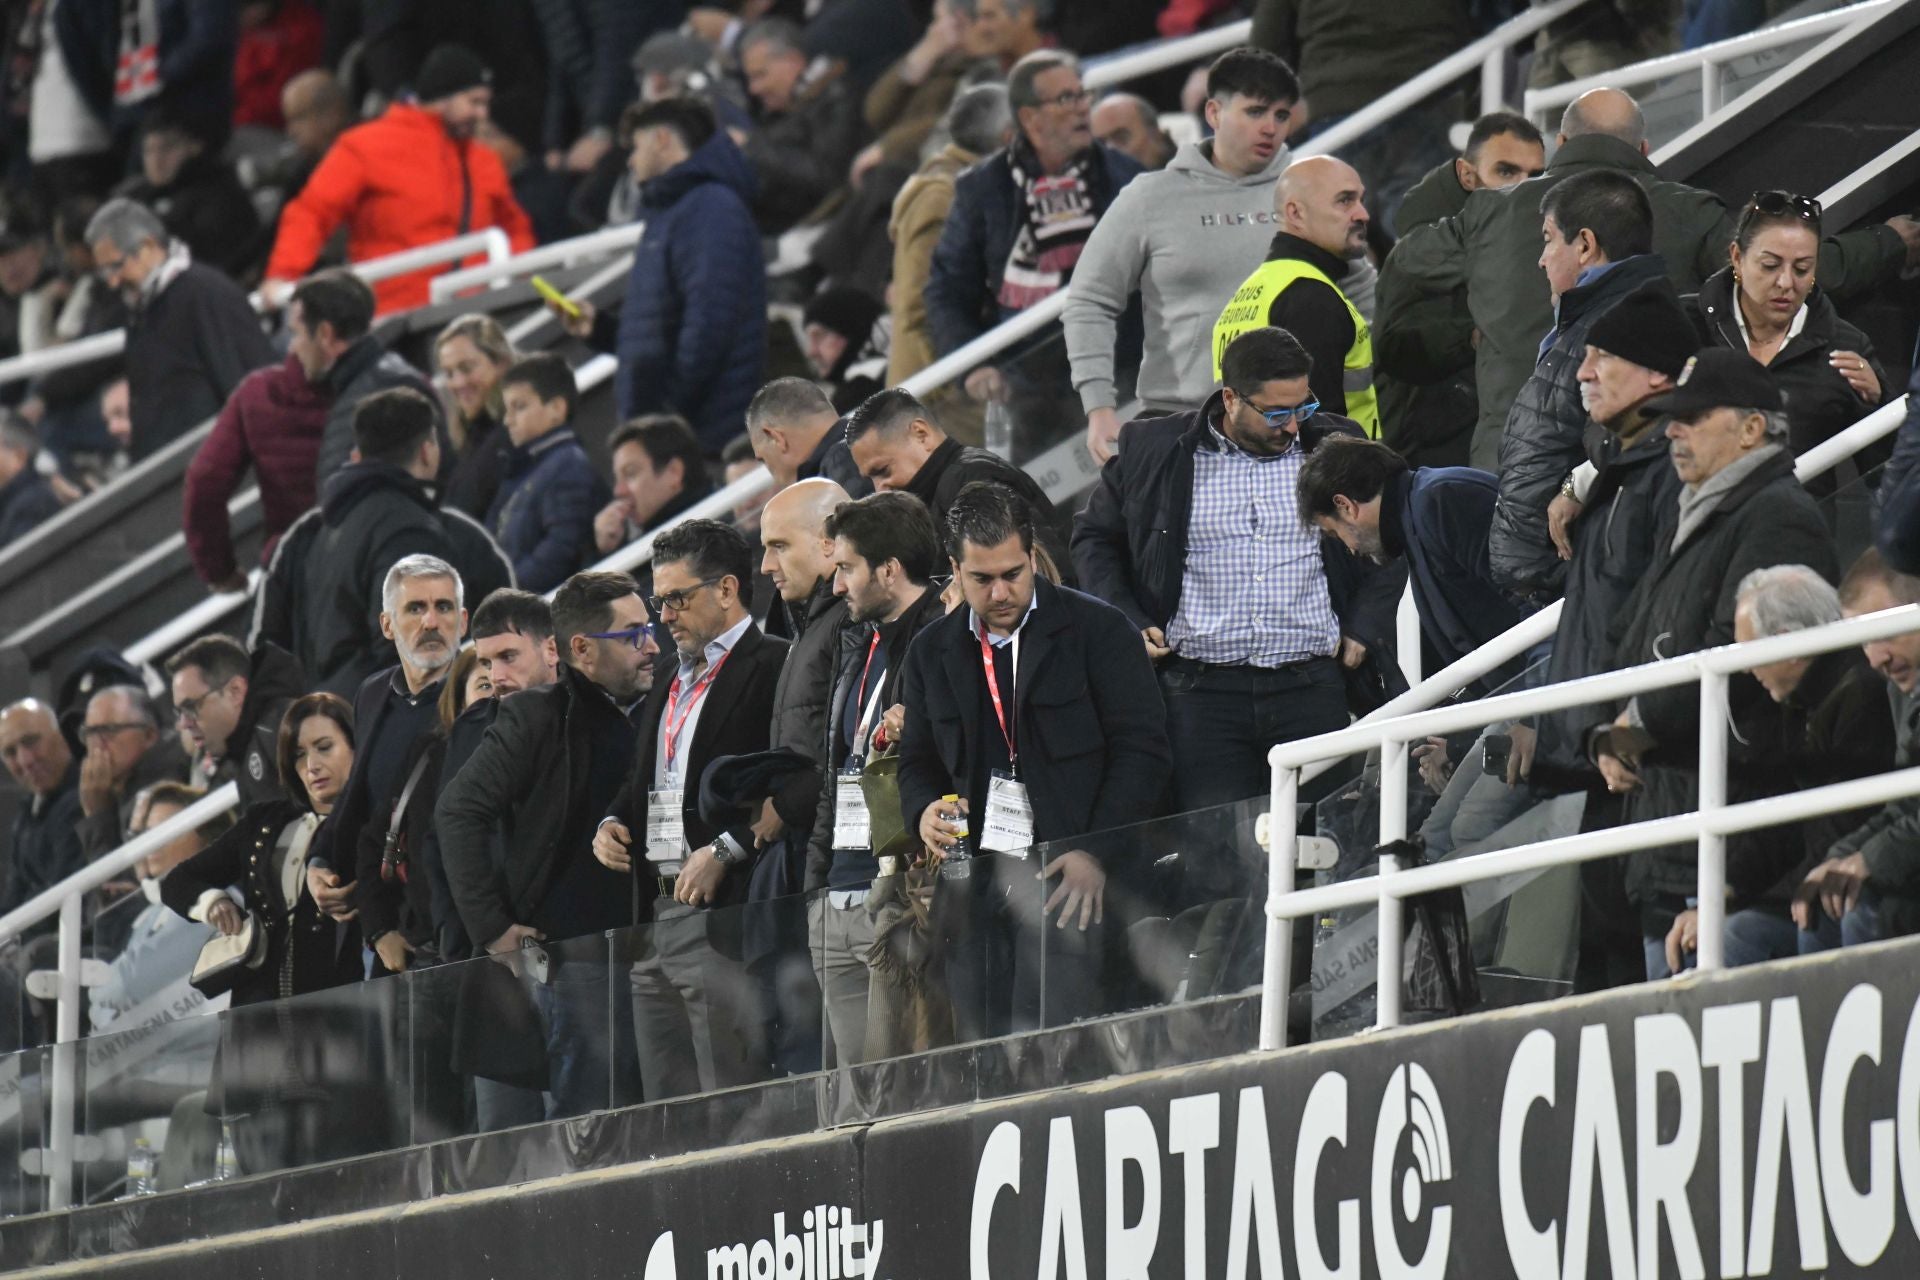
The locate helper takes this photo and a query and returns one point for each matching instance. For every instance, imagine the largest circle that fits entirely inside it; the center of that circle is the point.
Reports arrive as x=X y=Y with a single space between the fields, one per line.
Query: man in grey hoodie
x=1185 y=238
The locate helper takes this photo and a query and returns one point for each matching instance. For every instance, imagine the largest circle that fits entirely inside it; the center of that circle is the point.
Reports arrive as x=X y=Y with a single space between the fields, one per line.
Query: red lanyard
x=860 y=697
x=993 y=688
x=670 y=730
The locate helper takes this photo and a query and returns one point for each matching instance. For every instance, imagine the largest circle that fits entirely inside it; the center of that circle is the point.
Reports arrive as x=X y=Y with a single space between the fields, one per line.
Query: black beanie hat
x=1648 y=327
x=450 y=69
x=847 y=311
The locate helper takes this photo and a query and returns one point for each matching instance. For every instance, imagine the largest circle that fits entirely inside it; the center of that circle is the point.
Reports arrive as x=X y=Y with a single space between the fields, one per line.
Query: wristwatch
x=1566 y=488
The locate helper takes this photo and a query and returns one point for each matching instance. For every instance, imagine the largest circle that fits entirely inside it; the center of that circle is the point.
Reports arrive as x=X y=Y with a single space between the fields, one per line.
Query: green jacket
x=1492 y=246
x=1423 y=343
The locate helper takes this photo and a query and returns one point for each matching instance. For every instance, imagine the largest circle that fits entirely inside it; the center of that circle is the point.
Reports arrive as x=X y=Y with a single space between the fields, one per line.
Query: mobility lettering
x=1598 y=1161
x=830 y=1246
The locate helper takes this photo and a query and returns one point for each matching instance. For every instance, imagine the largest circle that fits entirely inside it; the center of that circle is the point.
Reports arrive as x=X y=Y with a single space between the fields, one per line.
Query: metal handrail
x=1709 y=824
x=490 y=240
x=559 y=254
x=1708 y=59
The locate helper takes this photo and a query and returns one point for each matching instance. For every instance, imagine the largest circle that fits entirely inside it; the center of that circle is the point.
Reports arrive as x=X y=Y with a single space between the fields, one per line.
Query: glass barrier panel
x=24 y=1080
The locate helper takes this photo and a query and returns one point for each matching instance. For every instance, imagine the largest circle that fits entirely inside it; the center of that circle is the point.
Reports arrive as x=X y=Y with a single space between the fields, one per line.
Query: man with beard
x=541 y=779
x=412 y=177
x=425 y=616
x=884 y=554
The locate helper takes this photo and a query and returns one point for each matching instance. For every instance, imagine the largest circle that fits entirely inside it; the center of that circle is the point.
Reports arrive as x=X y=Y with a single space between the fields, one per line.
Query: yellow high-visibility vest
x=1253 y=302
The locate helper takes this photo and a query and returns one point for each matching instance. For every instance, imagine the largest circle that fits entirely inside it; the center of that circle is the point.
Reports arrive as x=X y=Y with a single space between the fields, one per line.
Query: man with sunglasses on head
x=1255 y=620
x=542 y=778
x=696 y=1007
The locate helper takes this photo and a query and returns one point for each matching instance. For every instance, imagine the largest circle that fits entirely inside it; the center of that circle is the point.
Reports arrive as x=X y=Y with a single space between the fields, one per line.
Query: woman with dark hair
x=282 y=1073
x=1765 y=302
x=472 y=354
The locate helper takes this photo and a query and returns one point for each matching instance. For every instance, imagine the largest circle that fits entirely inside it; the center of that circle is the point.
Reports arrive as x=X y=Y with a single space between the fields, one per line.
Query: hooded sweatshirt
x=1184 y=237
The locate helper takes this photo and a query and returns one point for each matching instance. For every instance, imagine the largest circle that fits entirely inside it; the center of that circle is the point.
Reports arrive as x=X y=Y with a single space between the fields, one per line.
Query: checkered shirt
x=1255 y=590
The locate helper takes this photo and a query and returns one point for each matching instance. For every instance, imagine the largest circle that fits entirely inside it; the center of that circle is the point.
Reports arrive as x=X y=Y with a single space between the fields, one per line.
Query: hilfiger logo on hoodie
x=1262 y=217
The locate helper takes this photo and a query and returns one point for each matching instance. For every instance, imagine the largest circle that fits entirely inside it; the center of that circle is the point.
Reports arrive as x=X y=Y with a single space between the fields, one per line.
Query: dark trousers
x=1610 y=951
x=1221 y=721
x=591 y=1062
x=1008 y=968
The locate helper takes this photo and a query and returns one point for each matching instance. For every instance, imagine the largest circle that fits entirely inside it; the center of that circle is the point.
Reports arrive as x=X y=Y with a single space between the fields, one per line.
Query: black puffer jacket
x=362 y=370
x=1683 y=604
x=1820 y=404
x=1545 y=429
x=800 y=700
x=321 y=597
x=1630 y=510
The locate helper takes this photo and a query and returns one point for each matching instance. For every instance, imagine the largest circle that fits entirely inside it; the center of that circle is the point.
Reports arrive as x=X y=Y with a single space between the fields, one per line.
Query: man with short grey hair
x=192 y=336
x=125 y=754
x=424 y=614
x=1019 y=223
x=794 y=431
x=26 y=496
x=1740 y=509
x=807 y=124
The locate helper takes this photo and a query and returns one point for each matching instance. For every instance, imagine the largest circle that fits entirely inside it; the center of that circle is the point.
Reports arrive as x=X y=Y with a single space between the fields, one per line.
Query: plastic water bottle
x=999 y=429
x=140 y=1169
x=958 y=863
x=226 y=1160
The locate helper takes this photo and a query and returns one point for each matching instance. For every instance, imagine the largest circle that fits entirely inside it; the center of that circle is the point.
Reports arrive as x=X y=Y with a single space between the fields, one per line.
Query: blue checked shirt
x=1255 y=589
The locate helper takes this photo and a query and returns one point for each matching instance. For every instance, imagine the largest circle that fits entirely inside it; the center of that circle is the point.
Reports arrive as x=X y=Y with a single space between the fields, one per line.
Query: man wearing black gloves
x=1035 y=705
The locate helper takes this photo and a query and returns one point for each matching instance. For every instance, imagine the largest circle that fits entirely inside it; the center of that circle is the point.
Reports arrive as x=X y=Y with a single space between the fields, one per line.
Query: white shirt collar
x=1793 y=329
x=720 y=646
x=979 y=626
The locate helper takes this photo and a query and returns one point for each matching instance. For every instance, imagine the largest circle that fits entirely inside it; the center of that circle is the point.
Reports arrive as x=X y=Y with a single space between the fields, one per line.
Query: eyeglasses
x=1280 y=417
x=1071 y=98
x=635 y=636
x=101 y=732
x=187 y=710
x=678 y=600
x=1779 y=204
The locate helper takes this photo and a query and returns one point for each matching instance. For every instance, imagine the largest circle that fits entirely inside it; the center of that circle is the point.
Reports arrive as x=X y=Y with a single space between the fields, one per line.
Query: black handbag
x=227 y=959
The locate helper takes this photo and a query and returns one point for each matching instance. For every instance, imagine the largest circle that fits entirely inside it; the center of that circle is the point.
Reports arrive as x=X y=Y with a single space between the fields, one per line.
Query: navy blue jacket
x=1900 y=490
x=1437 y=517
x=693 y=329
x=25 y=501
x=543 y=515
x=197 y=43
x=963 y=287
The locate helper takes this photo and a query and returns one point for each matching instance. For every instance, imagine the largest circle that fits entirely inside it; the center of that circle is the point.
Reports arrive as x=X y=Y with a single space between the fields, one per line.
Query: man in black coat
x=1042 y=748
x=229 y=703
x=44 y=846
x=192 y=337
x=539 y=783
x=1256 y=622
x=695 y=1007
x=1598 y=229
x=1740 y=510
x=898 y=445
x=1435 y=518
x=321 y=597
x=798 y=435
x=885 y=554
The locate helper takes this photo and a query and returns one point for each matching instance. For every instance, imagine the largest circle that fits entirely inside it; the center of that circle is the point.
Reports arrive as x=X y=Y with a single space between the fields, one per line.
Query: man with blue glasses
x=1256 y=623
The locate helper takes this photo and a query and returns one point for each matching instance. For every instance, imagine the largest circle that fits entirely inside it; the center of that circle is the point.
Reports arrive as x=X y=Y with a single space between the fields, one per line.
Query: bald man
x=317 y=111
x=1320 y=206
x=1127 y=122
x=44 y=848
x=1492 y=247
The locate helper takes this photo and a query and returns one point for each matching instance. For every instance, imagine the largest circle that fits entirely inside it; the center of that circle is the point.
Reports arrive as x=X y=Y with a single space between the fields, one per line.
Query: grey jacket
x=1184 y=238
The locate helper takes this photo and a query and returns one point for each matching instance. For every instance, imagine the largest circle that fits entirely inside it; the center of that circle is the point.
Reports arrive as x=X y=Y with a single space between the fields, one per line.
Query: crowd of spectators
x=872 y=687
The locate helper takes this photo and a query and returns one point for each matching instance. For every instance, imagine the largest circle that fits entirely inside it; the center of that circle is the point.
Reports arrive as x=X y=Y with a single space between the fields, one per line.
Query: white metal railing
x=65 y=900
x=1710 y=824
x=491 y=240
x=562 y=253
x=1709 y=61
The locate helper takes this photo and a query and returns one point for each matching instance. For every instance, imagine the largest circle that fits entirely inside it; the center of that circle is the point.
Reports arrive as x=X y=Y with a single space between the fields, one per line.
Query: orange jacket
x=395 y=182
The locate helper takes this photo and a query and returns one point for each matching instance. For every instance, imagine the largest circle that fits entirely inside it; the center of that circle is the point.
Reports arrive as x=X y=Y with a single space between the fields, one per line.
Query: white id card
x=666 y=826
x=1009 y=824
x=852 y=827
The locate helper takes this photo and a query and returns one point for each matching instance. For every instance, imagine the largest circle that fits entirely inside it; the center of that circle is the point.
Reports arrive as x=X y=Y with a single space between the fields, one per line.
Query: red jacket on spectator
x=272 y=423
x=397 y=184
x=271 y=54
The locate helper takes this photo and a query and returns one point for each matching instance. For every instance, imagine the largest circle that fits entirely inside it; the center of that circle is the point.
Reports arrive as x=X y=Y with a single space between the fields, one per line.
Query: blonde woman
x=470 y=355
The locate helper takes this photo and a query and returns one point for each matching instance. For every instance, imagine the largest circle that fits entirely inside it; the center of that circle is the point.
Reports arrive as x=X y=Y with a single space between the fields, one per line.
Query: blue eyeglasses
x=635 y=636
x=1280 y=417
